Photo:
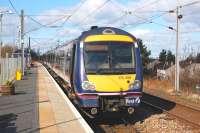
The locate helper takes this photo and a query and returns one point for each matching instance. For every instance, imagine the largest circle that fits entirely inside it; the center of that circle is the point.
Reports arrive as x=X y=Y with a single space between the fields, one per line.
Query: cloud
x=140 y=32
x=117 y=13
x=114 y=13
x=69 y=33
x=156 y=40
x=52 y=15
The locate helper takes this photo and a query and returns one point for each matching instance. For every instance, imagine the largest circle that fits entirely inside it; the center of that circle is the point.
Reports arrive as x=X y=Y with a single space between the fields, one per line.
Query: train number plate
x=130 y=101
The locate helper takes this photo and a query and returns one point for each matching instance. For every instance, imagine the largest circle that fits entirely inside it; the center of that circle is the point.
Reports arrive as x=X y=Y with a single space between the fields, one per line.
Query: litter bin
x=18 y=75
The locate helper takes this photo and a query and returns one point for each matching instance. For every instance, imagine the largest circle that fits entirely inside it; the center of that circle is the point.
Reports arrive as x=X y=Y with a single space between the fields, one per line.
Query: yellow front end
x=111 y=83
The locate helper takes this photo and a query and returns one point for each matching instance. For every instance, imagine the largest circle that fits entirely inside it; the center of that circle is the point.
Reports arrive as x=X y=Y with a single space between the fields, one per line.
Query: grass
x=164 y=85
x=188 y=91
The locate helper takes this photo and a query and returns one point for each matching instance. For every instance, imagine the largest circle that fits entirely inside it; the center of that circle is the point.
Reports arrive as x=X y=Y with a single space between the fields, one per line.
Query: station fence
x=8 y=68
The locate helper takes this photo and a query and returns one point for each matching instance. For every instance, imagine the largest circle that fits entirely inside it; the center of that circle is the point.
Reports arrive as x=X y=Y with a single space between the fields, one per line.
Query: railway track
x=182 y=112
x=117 y=122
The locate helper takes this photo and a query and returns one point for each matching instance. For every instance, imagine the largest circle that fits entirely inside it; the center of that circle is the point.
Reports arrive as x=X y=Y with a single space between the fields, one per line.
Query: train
x=102 y=69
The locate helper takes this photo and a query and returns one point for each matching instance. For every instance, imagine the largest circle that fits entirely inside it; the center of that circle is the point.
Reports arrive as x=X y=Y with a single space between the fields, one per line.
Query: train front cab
x=108 y=73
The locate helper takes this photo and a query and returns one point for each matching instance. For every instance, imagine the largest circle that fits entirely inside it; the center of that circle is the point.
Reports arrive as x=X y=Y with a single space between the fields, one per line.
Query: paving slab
x=56 y=113
x=39 y=105
x=19 y=112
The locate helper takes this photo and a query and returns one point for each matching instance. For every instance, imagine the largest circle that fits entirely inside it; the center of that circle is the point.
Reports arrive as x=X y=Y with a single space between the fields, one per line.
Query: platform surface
x=39 y=105
x=55 y=114
x=19 y=112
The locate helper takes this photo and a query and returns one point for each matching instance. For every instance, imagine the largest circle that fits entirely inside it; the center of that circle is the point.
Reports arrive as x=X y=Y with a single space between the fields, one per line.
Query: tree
x=145 y=53
x=163 y=56
x=170 y=57
x=34 y=55
x=6 y=49
x=190 y=58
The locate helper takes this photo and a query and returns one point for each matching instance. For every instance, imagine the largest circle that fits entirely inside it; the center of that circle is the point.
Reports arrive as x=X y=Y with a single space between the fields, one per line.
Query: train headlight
x=86 y=85
x=135 y=85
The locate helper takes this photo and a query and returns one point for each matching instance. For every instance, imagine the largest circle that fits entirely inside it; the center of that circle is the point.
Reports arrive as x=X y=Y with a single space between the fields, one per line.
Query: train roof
x=104 y=30
x=96 y=31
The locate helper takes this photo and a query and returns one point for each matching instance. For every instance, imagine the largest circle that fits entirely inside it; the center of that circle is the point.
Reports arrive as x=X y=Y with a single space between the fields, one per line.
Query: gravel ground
x=145 y=120
x=163 y=123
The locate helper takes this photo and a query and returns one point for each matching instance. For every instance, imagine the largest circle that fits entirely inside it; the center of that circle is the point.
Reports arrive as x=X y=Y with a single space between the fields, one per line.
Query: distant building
x=151 y=66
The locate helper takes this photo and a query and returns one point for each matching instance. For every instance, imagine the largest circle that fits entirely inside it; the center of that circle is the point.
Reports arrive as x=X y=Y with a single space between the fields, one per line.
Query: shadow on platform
x=7 y=123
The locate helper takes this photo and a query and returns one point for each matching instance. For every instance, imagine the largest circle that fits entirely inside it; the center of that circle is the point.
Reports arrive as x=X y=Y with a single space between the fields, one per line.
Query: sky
x=53 y=22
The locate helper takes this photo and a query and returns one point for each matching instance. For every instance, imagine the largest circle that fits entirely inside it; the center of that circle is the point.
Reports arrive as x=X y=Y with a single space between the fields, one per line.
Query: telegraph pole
x=1 y=43
x=22 y=41
x=29 y=51
x=1 y=29
x=29 y=44
x=177 y=68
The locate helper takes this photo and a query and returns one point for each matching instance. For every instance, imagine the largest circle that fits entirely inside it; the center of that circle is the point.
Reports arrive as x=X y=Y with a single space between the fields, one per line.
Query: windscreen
x=109 y=58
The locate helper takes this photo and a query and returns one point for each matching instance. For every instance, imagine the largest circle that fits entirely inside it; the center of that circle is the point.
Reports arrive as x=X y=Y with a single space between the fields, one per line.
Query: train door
x=71 y=68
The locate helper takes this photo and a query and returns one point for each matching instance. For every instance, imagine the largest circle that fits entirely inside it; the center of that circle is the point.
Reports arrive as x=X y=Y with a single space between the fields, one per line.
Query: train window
x=96 y=57
x=112 y=57
x=122 y=57
x=96 y=48
x=68 y=54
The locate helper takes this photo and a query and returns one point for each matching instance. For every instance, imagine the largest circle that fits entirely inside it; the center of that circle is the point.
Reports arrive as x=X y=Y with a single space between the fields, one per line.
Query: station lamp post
x=1 y=31
x=1 y=26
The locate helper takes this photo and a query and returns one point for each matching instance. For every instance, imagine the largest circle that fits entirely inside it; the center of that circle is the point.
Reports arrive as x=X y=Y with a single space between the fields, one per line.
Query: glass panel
x=109 y=57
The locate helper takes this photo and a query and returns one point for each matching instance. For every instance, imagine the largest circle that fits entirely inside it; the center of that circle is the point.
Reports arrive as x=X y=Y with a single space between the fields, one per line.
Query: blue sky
x=155 y=36
x=37 y=6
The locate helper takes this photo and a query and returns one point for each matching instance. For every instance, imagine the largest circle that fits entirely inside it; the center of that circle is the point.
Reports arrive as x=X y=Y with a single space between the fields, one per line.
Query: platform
x=19 y=112
x=39 y=105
